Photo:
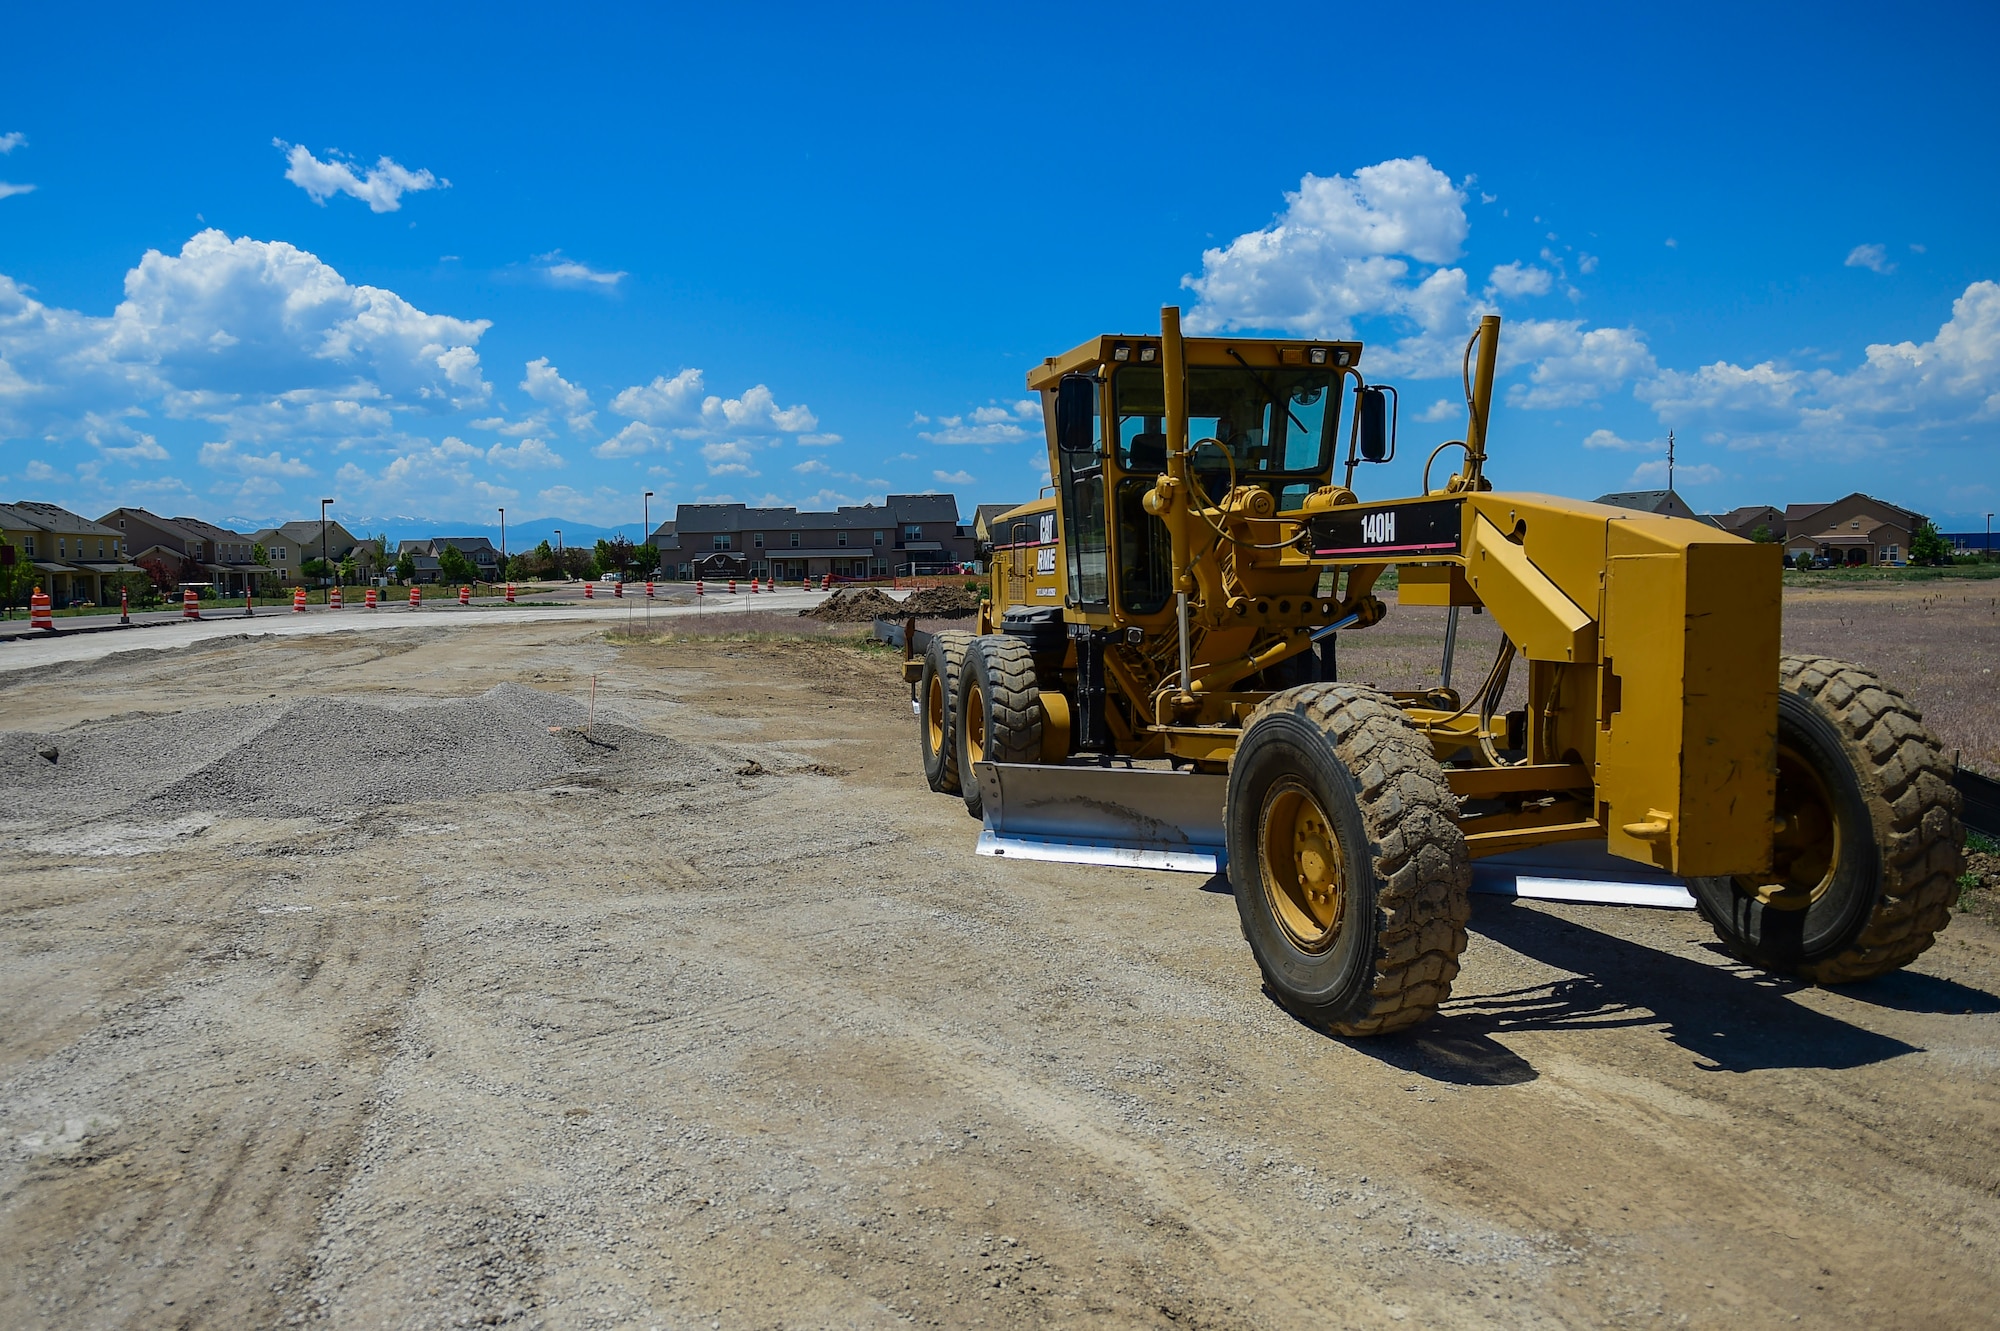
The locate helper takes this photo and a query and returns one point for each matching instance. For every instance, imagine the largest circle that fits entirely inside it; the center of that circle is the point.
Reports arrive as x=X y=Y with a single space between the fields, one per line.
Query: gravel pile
x=853 y=605
x=322 y=756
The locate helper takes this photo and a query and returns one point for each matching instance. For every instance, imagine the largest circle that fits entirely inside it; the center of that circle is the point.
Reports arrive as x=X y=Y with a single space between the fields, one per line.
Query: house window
x=28 y=543
x=759 y=540
x=913 y=531
x=62 y=547
x=1855 y=525
x=795 y=540
x=721 y=543
x=878 y=538
x=843 y=538
x=1890 y=554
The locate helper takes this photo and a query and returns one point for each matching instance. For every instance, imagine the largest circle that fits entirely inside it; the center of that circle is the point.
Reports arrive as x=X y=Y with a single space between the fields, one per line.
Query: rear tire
x=1870 y=847
x=937 y=708
x=999 y=711
x=1350 y=870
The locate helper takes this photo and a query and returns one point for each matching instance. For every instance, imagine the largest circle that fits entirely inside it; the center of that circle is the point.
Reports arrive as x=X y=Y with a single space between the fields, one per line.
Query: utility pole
x=322 y=535
x=503 y=545
x=1989 y=536
x=1670 y=462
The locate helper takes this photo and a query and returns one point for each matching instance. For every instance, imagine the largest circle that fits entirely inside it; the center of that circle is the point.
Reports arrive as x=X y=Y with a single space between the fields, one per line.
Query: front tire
x=1869 y=846
x=1350 y=870
x=937 y=702
x=999 y=711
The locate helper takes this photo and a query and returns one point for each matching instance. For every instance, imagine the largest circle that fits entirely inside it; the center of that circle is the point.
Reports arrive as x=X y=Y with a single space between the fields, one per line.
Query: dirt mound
x=854 y=605
x=941 y=603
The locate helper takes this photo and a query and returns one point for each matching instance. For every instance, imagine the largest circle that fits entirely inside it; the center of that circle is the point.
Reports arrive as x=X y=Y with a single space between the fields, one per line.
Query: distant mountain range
x=521 y=536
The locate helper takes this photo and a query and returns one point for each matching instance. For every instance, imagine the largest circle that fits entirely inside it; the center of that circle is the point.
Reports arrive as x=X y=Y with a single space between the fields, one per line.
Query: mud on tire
x=937 y=708
x=1892 y=885
x=1386 y=812
x=999 y=712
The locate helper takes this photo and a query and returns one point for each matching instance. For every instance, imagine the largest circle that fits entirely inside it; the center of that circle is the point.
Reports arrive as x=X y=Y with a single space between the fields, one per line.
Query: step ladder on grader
x=1153 y=685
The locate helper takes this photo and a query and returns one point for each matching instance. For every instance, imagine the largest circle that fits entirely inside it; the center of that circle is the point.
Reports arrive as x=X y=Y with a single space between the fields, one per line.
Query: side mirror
x=1076 y=414
x=1374 y=422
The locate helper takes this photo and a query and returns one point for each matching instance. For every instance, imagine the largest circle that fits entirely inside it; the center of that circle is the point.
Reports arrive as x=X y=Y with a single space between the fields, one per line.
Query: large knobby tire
x=937 y=702
x=999 y=711
x=1349 y=867
x=1868 y=845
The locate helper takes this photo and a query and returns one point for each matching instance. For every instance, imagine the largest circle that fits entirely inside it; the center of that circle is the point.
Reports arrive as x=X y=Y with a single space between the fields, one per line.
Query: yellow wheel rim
x=1806 y=846
x=934 y=713
x=974 y=723
x=1304 y=873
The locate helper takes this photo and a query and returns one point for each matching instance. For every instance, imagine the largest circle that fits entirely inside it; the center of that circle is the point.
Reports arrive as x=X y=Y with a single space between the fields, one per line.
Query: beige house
x=1748 y=520
x=288 y=548
x=73 y=555
x=1859 y=529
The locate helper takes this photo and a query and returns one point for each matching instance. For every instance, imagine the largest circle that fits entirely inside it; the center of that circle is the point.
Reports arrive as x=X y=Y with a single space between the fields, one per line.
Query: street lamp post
x=1989 y=536
x=646 y=518
x=559 y=559
x=503 y=544
x=323 y=564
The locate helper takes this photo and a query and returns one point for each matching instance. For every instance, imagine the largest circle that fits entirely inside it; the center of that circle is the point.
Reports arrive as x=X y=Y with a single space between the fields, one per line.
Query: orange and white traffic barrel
x=124 y=605
x=590 y=591
x=190 y=604
x=697 y=587
x=618 y=591
x=649 y=589
x=465 y=595
x=368 y=599
x=40 y=616
x=416 y=597
x=298 y=600
x=333 y=599
x=732 y=586
x=510 y=593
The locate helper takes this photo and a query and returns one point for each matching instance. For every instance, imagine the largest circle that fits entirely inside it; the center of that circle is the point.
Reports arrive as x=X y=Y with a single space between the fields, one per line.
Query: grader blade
x=1120 y=817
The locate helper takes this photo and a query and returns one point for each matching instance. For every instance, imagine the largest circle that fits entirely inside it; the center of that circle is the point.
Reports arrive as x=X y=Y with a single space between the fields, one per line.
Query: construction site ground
x=340 y=988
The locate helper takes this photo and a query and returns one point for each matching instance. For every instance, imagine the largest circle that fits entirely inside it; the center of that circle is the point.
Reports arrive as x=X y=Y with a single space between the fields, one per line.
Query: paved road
x=29 y=653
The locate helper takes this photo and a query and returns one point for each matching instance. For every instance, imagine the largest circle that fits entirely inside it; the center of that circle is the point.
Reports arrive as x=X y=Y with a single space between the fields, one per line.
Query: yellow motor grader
x=1154 y=685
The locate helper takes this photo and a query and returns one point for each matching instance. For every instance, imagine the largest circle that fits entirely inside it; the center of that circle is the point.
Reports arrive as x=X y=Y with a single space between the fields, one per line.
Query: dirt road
x=713 y=1019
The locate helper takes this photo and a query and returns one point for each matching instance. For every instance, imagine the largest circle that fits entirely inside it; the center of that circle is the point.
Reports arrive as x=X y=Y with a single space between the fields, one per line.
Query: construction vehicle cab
x=1155 y=684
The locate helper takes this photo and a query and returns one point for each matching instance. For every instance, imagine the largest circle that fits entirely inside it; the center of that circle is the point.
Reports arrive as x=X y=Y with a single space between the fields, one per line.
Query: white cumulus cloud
x=954 y=478
x=382 y=187
x=1339 y=251
x=12 y=140
x=635 y=439
x=729 y=458
x=528 y=453
x=996 y=423
x=1602 y=439
x=1521 y=279
x=559 y=270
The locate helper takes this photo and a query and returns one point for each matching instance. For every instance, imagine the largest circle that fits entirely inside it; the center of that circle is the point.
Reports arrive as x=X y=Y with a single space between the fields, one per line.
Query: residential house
x=179 y=551
x=1748 y=520
x=74 y=555
x=478 y=549
x=1664 y=503
x=906 y=533
x=289 y=547
x=1859 y=529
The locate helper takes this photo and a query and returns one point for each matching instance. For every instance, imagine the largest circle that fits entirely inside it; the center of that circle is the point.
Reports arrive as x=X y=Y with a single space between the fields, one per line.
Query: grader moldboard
x=1153 y=685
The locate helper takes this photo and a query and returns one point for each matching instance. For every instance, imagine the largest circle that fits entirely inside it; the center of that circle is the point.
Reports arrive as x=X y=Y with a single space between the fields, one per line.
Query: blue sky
x=436 y=262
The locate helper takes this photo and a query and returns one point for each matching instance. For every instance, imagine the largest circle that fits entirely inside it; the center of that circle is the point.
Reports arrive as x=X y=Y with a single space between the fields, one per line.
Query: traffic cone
x=590 y=591
x=368 y=599
x=298 y=600
x=124 y=605
x=333 y=599
x=416 y=597
x=190 y=604
x=39 y=614
x=465 y=596
x=510 y=593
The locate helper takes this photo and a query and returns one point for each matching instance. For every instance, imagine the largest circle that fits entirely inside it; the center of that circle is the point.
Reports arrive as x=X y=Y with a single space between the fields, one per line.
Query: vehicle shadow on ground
x=1733 y=1018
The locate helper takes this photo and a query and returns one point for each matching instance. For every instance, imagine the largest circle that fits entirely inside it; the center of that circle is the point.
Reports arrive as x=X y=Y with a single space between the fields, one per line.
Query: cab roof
x=1144 y=349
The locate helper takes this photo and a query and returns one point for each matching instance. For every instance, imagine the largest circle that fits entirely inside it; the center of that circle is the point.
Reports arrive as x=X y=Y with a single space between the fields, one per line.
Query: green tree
x=645 y=560
x=262 y=559
x=17 y=578
x=455 y=567
x=1762 y=535
x=1927 y=544
x=406 y=566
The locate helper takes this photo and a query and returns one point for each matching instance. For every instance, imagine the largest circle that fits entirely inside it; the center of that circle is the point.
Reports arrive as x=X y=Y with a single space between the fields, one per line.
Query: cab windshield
x=1272 y=422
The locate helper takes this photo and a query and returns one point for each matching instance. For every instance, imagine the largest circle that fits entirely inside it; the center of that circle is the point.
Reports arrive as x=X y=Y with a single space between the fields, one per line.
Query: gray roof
x=701 y=519
x=210 y=530
x=173 y=527
x=465 y=545
x=1646 y=501
x=51 y=517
